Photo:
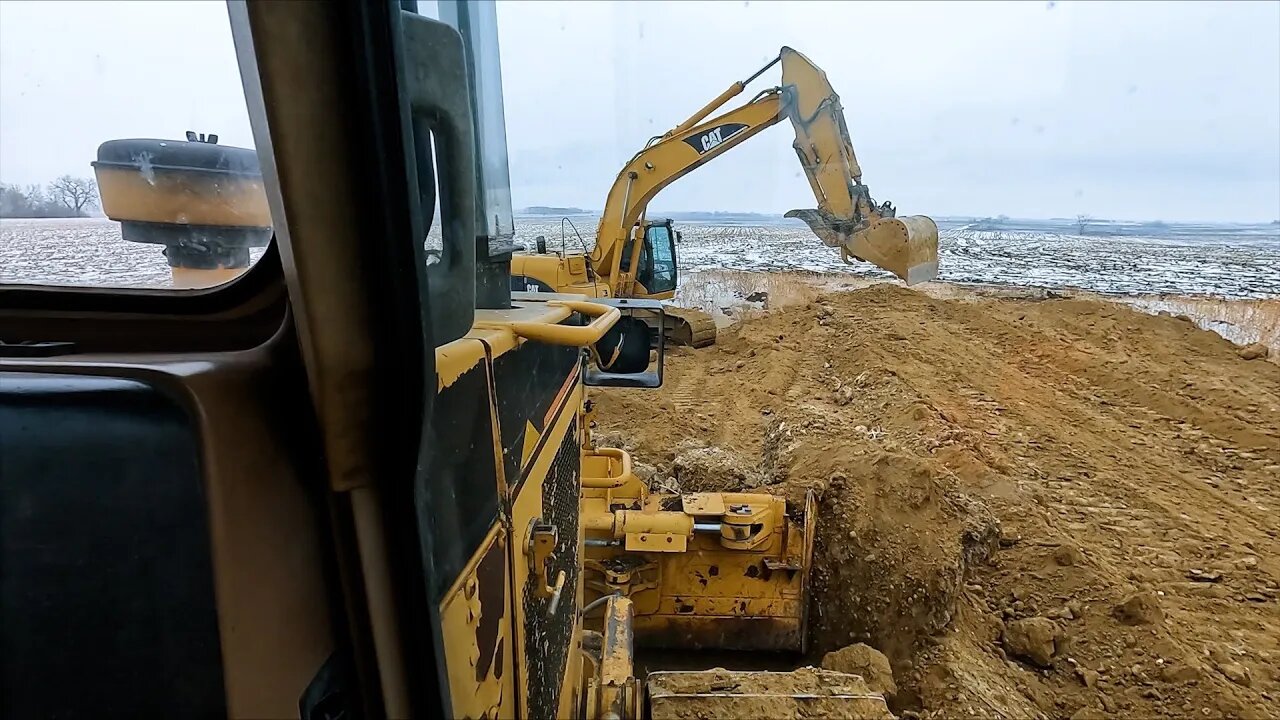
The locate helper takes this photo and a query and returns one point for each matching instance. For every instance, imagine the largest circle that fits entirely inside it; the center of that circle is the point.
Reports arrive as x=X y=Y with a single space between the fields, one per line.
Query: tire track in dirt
x=1136 y=497
x=1171 y=486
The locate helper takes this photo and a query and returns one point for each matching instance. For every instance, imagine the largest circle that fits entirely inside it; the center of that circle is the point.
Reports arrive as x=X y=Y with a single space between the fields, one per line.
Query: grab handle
x=603 y=316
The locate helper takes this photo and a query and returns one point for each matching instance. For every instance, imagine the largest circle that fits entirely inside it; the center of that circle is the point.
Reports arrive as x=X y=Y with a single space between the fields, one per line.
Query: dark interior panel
x=106 y=582
x=457 y=498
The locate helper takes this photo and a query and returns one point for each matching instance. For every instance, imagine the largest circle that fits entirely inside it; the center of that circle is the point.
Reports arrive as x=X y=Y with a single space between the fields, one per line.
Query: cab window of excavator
x=658 y=262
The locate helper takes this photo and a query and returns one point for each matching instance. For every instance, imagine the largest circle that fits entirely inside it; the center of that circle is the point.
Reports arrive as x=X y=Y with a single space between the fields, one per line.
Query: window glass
x=126 y=157
x=662 y=262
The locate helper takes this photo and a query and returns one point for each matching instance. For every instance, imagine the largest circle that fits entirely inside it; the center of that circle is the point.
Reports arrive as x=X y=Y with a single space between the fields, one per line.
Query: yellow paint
x=454 y=359
x=683 y=594
x=551 y=332
x=614 y=689
x=526 y=506
x=195 y=279
x=479 y=692
x=496 y=329
x=686 y=586
x=475 y=692
x=531 y=438
x=183 y=197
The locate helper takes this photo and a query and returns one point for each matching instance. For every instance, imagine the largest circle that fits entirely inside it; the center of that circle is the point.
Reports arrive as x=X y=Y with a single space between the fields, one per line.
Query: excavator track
x=686 y=326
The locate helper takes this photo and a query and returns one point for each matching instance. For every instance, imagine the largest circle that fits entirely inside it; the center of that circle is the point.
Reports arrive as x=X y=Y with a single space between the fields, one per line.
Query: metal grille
x=549 y=637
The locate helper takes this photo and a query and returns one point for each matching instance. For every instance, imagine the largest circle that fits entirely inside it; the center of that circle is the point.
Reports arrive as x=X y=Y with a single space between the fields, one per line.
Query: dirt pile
x=1112 y=477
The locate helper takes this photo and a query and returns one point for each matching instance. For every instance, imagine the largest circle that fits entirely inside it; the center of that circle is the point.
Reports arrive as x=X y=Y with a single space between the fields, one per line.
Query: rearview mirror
x=631 y=354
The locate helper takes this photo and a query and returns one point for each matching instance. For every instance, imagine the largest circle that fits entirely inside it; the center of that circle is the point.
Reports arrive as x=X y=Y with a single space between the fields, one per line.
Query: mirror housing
x=649 y=312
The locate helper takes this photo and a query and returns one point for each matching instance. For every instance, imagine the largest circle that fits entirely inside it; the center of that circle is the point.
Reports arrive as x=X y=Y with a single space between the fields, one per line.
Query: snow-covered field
x=1231 y=261
x=79 y=251
x=1228 y=261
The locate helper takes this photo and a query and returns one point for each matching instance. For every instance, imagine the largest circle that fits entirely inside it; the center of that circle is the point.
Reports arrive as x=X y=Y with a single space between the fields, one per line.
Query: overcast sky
x=1146 y=110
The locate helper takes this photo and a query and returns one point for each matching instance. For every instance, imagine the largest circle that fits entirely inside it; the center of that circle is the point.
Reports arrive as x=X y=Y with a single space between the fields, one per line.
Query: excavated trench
x=998 y=480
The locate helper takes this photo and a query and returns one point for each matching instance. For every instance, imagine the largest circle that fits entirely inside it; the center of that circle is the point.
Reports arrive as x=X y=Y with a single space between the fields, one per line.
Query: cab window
x=101 y=101
x=658 y=264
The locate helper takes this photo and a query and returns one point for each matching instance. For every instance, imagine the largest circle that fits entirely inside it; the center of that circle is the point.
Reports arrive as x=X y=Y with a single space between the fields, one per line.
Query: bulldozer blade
x=905 y=246
x=803 y=693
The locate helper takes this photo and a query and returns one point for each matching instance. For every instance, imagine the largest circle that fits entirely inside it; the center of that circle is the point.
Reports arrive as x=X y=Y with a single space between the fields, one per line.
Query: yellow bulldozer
x=359 y=480
x=635 y=257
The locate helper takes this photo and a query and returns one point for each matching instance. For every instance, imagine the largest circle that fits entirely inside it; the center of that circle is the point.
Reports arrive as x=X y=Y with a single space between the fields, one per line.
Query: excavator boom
x=625 y=261
x=846 y=217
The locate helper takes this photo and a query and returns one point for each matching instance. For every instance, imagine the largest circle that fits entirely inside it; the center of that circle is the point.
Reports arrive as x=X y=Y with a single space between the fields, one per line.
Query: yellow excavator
x=636 y=257
x=359 y=479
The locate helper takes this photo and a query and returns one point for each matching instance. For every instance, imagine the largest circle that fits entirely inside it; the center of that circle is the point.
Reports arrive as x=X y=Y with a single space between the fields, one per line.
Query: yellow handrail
x=573 y=335
x=611 y=483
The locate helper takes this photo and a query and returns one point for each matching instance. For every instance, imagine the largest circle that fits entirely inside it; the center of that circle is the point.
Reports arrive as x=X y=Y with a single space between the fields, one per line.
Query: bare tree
x=32 y=202
x=75 y=193
x=36 y=195
x=1082 y=222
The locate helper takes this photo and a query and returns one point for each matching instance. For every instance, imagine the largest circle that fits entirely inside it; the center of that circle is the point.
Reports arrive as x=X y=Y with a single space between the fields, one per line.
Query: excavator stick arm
x=822 y=141
x=847 y=217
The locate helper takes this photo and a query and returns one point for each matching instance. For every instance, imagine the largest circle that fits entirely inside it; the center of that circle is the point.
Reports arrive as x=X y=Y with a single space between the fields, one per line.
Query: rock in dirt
x=1225 y=662
x=1236 y=673
x=1089 y=712
x=1179 y=673
x=1141 y=608
x=1248 y=562
x=1087 y=677
x=1062 y=613
x=1076 y=609
x=703 y=468
x=644 y=471
x=1033 y=639
x=1256 y=351
x=1206 y=576
x=864 y=660
x=1067 y=555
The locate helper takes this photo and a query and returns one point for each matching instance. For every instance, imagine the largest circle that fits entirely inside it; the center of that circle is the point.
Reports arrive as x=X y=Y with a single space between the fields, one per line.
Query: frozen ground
x=1230 y=261
x=1227 y=261
x=79 y=251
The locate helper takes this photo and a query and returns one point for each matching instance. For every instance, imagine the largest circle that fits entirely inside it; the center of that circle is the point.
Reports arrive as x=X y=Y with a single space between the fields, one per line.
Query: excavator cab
x=655 y=272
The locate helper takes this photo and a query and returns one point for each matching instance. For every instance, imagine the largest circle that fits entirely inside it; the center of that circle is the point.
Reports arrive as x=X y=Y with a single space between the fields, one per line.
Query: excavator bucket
x=905 y=246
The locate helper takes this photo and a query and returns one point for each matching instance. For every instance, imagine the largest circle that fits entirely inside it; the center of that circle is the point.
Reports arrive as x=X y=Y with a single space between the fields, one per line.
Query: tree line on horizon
x=65 y=197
